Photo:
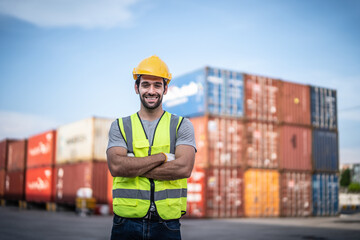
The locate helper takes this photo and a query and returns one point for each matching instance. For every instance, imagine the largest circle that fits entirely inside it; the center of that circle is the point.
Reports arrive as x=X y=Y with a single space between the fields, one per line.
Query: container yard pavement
x=39 y=224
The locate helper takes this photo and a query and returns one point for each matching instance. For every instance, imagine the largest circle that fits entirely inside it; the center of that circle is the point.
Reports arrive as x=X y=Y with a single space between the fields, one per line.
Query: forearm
x=169 y=171
x=124 y=166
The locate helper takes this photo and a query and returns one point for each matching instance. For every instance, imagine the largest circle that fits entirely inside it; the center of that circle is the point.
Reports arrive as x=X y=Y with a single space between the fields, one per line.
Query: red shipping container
x=295 y=148
x=294 y=103
x=261 y=95
x=196 y=190
x=16 y=156
x=224 y=193
x=15 y=185
x=4 y=147
x=41 y=150
x=39 y=184
x=219 y=141
x=261 y=145
x=295 y=194
x=109 y=191
x=71 y=177
x=2 y=182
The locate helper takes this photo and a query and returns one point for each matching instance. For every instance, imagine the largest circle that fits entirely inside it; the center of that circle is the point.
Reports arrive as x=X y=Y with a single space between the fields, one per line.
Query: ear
x=166 y=89
x=136 y=89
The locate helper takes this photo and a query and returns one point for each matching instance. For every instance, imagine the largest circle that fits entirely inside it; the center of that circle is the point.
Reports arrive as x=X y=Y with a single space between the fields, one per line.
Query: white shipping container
x=85 y=140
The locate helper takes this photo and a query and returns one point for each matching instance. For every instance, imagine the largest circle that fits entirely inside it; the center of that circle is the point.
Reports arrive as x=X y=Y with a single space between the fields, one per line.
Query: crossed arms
x=120 y=165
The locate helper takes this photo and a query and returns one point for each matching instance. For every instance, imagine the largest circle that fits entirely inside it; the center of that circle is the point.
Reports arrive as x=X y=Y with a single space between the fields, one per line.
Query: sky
x=66 y=60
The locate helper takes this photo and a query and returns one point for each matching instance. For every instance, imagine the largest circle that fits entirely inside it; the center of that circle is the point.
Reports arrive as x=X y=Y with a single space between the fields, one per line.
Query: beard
x=153 y=106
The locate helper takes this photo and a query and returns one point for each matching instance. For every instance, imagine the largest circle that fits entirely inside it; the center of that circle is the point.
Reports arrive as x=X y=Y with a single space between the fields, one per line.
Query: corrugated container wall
x=206 y=91
x=15 y=185
x=323 y=108
x=196 y=194
x=219 y=141
x=325 y=194
x=17 y=156
x=2 y=182
x=262 y=141
x=261 y=96
x=39 y=184
x=294 y=103
x=295 y=148
x=295 y=194
x=224 y=194
x=109 y=190
x=72 y=177
x=261 y=193
x=325 y=151
x=4 y=149
x=41 y=150
x=84 y=140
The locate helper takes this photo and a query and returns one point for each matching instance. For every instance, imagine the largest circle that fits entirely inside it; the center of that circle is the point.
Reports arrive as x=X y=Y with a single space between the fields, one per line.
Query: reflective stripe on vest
x=131 y=196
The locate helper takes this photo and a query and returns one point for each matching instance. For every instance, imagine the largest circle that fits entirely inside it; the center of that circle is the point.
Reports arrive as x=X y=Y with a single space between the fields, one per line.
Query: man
x=150 y=154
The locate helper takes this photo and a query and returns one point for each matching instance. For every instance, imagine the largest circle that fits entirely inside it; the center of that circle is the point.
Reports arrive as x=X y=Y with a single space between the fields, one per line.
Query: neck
x=150 y=114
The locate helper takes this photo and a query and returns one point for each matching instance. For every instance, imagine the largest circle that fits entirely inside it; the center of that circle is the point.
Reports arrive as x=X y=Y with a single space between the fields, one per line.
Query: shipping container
x=295 y=148
x=325 y=194
x=261 y=143
x=73 y=176
x=4 y=147
x=261 y=193
x=295 y=190
x=224 y=194
x=294 y=103
x=219 y=141
x=17 y=156
x=325 y=151
x=206 y=91
x=109 y=191
x=261 y=96
x=196 y=194
x=85 y=140
x=15 y=185
x=2 y=182
x=41 y=150
x=39 y=184
x=323 y=108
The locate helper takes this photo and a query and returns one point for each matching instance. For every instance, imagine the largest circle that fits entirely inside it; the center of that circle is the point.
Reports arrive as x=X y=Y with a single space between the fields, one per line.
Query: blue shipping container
x=325 y=194
x=206 y=91
x=325 y=152
x=323 y=108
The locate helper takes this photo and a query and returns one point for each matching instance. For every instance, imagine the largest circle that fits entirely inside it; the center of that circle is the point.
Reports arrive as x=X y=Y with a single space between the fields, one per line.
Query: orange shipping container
x=71 y=177
x=294 y=103
x=261 y=193
x=196 y=190
x=17 y=156
x=219 y=141
x=261 y=95
x=39 y=184
x=295 y=194
x=15 y=185
x=224 y=193
x=41 y=150
x=295 y=148
x=261 y=145
x=4 y=147
x=2 y=182
x=109 y=191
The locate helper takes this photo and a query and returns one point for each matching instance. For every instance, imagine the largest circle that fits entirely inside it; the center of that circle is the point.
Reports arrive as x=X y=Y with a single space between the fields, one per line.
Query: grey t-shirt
x=186 y=134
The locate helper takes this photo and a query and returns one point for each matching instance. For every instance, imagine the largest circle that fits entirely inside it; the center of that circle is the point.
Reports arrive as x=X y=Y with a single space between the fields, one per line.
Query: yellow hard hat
x=153 y=66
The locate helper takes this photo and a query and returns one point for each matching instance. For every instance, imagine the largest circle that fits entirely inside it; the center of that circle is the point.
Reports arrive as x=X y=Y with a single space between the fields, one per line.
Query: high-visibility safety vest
x=132 y=196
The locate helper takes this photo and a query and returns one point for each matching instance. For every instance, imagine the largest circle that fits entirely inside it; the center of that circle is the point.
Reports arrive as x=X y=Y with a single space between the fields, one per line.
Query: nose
x=152 y=89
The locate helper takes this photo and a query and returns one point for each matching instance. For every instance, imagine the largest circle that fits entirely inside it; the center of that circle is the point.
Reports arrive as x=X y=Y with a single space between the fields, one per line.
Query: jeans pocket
x=172 y=225
x=117 y=221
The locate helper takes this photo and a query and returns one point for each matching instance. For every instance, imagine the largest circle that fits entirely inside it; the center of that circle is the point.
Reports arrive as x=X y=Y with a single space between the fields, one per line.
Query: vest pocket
x=173 y=193
x=159 y=149
x=126 y=196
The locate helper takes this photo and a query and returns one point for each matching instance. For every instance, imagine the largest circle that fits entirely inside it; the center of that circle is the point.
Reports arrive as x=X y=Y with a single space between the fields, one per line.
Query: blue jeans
x=141 y=229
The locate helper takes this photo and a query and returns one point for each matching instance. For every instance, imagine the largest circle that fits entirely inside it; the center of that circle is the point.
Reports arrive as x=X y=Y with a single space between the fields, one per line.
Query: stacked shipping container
x=273 y=134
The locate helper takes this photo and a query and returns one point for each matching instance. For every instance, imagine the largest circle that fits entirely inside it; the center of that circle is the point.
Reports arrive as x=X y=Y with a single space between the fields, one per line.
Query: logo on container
x=39 y=183
x=180 y=95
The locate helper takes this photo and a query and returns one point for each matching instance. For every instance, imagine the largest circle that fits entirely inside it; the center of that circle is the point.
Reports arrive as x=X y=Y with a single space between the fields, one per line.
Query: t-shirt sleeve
x=115 y=137
x=186 y=135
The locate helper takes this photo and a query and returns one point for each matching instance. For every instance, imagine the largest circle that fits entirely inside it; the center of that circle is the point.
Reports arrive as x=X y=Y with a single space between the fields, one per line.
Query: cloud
x=19 y=125
x=71 y=13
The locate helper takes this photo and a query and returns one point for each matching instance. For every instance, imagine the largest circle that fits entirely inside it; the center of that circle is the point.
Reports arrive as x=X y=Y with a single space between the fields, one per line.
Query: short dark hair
x=137 y=82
